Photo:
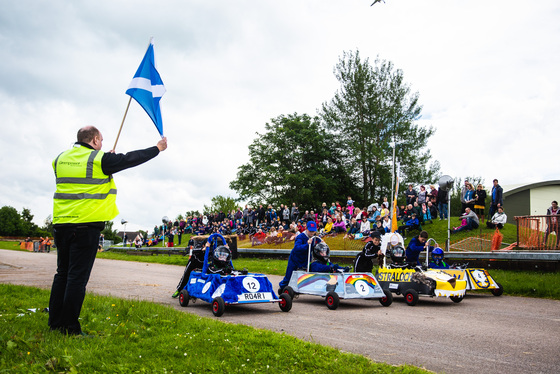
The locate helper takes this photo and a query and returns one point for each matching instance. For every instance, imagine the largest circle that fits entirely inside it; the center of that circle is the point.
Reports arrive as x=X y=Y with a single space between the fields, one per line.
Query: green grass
x=11 y=245
x=142 y=337
x=528 y=284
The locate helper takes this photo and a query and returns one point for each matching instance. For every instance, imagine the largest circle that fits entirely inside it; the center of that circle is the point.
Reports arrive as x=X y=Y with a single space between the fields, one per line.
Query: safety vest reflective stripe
x=84 y=180
x=78 y=196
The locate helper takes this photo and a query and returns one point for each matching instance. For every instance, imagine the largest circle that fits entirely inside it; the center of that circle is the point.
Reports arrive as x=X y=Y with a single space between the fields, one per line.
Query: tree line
x=13 y=223
x=347 y=148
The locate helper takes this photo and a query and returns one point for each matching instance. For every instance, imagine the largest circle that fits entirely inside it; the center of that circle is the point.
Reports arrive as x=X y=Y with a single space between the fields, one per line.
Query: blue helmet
x=437 y=254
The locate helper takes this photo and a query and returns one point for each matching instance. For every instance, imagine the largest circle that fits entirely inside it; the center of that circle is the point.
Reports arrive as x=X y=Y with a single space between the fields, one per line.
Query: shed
x=530 y=199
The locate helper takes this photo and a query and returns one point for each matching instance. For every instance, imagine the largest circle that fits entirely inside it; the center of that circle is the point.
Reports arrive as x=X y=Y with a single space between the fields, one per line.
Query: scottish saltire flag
x=147 y=87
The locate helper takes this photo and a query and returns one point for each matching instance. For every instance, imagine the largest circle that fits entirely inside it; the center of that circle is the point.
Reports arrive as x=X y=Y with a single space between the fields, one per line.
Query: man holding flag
x=85 y=199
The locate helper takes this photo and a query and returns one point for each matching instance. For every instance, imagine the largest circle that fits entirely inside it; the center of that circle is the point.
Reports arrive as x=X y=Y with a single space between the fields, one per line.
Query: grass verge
x=143 y=337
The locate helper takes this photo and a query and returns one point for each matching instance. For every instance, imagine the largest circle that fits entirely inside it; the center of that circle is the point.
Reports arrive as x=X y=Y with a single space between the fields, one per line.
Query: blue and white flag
x=147 y=87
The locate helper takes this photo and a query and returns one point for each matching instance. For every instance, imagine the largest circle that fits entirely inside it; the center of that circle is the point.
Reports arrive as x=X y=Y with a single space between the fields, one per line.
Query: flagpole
x=122 y=123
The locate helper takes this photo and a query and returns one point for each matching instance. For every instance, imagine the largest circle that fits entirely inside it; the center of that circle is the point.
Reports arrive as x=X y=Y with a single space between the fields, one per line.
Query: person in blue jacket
x=322 y=262
x=437 y=260
x=299 y=254
x=415 y=247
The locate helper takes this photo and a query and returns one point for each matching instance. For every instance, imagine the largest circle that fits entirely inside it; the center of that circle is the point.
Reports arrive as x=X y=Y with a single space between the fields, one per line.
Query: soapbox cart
x=233 y=287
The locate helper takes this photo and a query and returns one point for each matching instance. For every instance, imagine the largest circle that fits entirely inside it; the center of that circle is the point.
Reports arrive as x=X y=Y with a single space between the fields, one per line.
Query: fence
x=537 y=232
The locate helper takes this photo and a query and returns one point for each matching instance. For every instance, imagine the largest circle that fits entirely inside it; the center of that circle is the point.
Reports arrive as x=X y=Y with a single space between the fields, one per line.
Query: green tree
x=110 y=233
x=28 y=227
x=373 y=108
x=10 y=222
x=192 y=213
x=295 y=160
x=221 y=203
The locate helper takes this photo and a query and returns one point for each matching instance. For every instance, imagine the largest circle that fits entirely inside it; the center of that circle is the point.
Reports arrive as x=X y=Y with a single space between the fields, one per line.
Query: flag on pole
x=147 y=87
x=394 y=223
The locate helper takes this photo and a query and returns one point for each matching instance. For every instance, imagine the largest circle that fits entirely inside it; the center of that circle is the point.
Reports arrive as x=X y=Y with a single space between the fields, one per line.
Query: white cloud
x=487 y=74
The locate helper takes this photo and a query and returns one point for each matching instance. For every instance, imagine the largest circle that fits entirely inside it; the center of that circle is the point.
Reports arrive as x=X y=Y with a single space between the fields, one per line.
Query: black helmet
x=397 y=254
x=221 y=257
x=321 y=252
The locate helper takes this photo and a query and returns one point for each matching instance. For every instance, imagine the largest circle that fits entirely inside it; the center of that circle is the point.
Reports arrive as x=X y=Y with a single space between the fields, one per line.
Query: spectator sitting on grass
x=339 y=225
x=412 y=224
x=387 y=224
x=258 y=238
x=353 y=229
x=499 y=219
x=471 y=221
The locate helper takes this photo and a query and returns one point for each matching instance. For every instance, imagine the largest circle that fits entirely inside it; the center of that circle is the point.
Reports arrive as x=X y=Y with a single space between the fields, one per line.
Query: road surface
x=482 y=334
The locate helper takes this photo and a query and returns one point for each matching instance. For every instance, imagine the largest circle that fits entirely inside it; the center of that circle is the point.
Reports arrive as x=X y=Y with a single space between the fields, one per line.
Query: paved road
x=482 y=334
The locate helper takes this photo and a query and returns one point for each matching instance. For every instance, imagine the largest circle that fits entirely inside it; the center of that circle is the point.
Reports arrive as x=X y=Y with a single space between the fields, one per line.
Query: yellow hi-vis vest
x=83 y=193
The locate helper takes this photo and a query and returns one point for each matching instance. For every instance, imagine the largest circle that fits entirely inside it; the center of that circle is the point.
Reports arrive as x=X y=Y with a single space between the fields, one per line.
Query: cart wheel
x=498 y=291
x=289 y=291
x=332 y=300
x=387 y=299
x=285 y=302
x=411 y=297
x=184 y=298
x=456 y=299
x=218 y=306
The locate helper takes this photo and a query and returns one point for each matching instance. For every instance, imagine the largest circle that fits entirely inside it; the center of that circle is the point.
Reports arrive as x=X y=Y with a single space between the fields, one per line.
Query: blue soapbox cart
x=236 y=287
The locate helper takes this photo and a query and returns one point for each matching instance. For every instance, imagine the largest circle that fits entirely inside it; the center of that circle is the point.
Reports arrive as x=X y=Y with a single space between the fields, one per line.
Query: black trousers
x=76 y=251
x=196 y=261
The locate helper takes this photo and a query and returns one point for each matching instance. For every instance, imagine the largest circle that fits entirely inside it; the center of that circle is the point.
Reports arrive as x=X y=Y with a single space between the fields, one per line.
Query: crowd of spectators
x=277 y=225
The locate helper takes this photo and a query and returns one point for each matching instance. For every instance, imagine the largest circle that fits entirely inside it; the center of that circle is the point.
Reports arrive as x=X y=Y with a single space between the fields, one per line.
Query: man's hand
x=162 y=144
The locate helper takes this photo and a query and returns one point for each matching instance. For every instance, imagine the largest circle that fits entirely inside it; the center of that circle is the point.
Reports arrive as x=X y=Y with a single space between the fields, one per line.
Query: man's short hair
x=495 y=180
x=423 y=234
x=86 y=134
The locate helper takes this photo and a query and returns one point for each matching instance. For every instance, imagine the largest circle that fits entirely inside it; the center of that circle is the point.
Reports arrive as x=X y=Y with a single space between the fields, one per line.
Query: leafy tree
x=10 y=222
x=221 y=203
x=28 y=227
x=110 y=233
x=295 y=160
x=373 y=108
x=192 y=213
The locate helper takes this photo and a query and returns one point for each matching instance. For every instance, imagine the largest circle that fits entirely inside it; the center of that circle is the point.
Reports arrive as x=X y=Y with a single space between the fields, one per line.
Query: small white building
x=530 y=199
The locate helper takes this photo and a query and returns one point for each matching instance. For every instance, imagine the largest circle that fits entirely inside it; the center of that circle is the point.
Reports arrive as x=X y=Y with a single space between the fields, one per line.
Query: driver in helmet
x=398 y=256
x=437 y=260
x=221 y=260
x=321 y=263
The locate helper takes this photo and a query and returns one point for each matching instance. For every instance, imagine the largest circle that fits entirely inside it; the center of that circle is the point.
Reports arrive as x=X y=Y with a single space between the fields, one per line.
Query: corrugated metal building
x=530 y=199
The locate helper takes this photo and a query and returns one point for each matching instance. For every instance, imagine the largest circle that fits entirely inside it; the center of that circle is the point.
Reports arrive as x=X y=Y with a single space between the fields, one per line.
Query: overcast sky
x=488 y=75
